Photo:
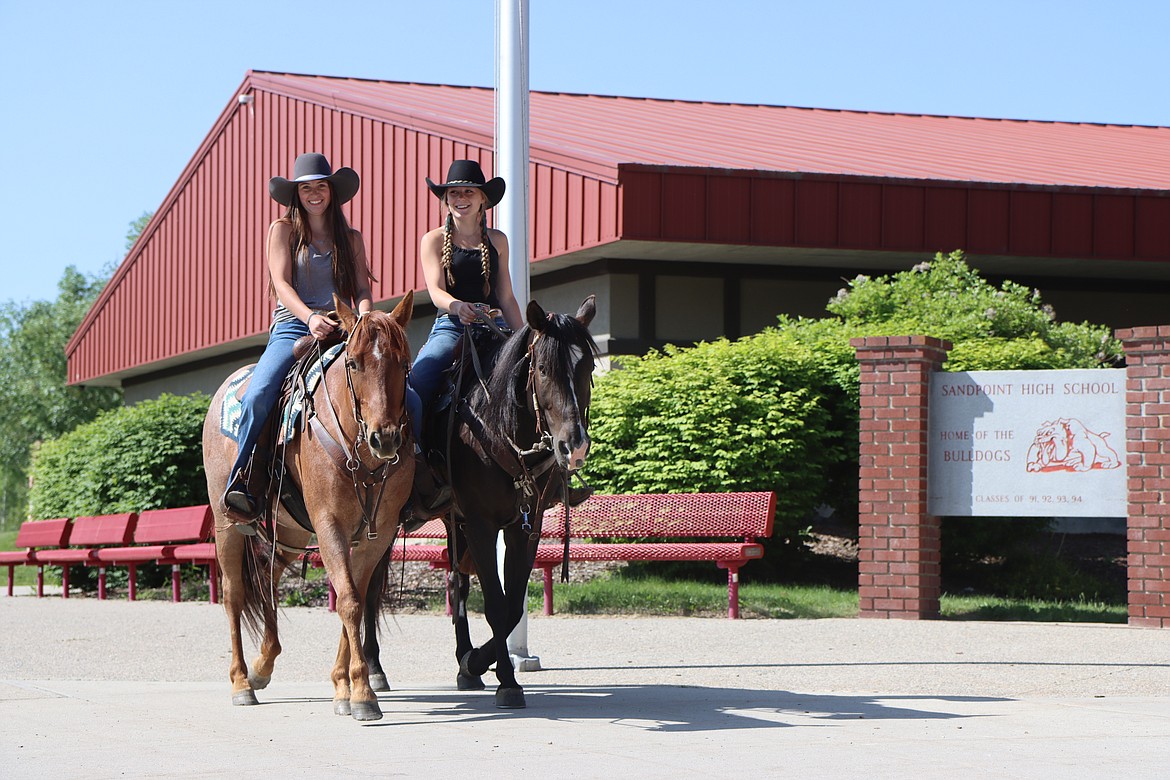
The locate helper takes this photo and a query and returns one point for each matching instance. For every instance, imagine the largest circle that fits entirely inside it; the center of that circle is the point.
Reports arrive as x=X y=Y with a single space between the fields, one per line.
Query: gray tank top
x=314 y=283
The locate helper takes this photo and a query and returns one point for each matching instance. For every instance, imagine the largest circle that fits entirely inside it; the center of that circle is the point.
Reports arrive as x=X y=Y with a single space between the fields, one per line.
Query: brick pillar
x=898 y=574
x=1147 y=427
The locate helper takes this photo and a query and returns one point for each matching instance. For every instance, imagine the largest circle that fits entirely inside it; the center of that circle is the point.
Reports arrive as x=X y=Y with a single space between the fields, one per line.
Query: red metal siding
x=604 y=169
x=987 y=225
x=903 y=218
x=1152 y=219
x=773 y=211
x=1030 y=226
x=816 y=213
x=1113 y=221
x=861 y=216
x=728 y=217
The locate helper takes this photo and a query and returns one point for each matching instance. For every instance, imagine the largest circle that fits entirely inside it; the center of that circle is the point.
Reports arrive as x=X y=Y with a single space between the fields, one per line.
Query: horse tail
x=259 y=611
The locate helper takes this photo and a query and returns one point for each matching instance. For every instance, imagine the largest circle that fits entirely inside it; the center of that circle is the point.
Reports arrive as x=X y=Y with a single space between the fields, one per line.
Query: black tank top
x=468 y=273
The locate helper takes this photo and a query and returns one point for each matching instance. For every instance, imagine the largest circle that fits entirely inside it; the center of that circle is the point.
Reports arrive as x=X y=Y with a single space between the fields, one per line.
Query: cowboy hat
x=313 y=167
x=467 y=173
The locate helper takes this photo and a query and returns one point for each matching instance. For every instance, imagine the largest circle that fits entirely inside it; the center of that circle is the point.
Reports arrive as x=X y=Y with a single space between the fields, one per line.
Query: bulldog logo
x=1067 y=445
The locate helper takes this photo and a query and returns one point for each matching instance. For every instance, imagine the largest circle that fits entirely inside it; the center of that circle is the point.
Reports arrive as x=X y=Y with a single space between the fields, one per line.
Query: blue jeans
x=426 y=375
x=264 y=387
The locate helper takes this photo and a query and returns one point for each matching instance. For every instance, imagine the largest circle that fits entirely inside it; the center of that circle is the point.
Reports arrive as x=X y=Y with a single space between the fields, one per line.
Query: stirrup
x=240 y=506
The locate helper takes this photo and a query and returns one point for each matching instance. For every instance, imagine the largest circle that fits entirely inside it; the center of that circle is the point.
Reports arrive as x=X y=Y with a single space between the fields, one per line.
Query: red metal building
x=689 y=220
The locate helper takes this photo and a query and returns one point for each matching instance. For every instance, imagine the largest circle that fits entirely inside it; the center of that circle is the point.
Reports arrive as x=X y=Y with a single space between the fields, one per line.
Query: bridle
x=369 y=484
x=518 y=461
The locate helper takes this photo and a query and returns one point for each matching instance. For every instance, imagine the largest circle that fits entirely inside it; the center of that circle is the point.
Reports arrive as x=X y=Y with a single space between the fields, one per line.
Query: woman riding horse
x=345 y=464
x=313 y=253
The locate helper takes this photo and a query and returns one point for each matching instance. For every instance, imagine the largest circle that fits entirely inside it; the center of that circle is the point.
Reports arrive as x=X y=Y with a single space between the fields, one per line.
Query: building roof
x=599 y=132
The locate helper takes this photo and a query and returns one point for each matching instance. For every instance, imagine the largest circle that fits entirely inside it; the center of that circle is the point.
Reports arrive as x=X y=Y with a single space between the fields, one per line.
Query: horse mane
x=375 y=323
x=508 y=377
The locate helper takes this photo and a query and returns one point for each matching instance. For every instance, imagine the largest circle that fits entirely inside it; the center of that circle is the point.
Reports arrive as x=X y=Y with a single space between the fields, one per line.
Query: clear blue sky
x=103 y=104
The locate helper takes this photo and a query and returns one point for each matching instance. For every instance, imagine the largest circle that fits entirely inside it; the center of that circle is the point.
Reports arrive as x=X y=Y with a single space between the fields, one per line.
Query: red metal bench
x=33 y=535
x=89 y=534
x=158 y=535
x=723 y=528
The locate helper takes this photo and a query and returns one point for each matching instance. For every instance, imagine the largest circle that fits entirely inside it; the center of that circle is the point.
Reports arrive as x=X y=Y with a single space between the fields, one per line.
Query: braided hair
x=484 y=255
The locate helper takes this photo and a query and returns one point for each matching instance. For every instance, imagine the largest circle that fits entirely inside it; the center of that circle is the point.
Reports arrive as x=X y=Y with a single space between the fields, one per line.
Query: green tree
x=136 y=228
x=37 y=403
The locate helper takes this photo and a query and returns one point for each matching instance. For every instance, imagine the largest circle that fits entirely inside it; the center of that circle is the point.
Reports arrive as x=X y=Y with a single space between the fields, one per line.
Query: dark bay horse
x=516 y=438
x=354 y=467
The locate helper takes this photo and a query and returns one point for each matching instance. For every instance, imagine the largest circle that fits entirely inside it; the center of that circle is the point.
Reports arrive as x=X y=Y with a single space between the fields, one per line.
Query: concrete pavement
x=103 y=689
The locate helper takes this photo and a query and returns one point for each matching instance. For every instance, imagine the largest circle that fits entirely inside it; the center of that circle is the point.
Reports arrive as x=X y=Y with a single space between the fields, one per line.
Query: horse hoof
x=244 y=698
x=341 y=707
x=379 y=682
x=465 y=666
x=366 y=710
x=259 y=683
x=468 y=682
x=510 y=698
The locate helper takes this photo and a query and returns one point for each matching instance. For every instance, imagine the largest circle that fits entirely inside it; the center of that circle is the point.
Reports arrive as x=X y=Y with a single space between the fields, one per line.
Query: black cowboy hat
x=467 y=173
x=314 y=167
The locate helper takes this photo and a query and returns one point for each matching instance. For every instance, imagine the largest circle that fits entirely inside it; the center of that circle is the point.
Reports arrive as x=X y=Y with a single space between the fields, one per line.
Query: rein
x=348 y=460
x=515 y=460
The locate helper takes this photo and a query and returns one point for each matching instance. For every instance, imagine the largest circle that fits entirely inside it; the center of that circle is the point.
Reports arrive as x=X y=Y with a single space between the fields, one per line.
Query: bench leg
x=132 y=585
x=213 y=581
x=11 y=573
x=176 y=584
x=548 y=589
x=40 y=582
x=732 y=587
x=101 y=583
x=65 y=581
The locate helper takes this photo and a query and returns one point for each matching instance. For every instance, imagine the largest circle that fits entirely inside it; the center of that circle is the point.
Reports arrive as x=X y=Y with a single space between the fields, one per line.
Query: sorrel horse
x=516 y=438
x=354 y=469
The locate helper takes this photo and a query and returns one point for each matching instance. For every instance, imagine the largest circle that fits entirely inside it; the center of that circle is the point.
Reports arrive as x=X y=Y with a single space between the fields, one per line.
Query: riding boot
x=431 y=497
x=240 y=506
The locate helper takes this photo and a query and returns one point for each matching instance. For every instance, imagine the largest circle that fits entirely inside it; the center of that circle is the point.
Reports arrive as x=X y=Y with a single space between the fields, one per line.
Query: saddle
x=470 y=355
x=290 y=416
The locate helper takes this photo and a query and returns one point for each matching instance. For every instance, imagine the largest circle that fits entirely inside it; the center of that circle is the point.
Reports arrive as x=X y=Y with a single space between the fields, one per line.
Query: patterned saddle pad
x=229 y=416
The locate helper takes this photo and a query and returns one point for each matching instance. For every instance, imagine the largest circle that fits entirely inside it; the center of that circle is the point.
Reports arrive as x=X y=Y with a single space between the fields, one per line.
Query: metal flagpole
x=511 y=162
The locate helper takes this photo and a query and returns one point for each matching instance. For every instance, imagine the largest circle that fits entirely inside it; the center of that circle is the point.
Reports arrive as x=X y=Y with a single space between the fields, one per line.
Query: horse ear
x=537 y=318
x=587 y=311
x=348 y=318
x=404 y=310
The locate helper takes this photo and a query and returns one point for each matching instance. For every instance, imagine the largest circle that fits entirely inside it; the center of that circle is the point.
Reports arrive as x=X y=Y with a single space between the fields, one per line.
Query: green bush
x=755 y=414
x=147 y=456
x=779 y=410
x=130 y=459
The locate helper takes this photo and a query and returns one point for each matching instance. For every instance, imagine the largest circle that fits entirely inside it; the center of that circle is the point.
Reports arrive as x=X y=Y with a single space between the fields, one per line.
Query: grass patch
x=657 y=596
x=995 y=608
x=616 y=595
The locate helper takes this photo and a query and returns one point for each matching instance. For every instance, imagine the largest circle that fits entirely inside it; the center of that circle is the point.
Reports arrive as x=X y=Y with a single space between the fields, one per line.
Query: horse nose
x=385 y=443
x=574 y=455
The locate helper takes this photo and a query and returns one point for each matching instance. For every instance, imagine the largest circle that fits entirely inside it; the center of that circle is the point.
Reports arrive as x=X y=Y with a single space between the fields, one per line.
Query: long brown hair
x=302 y=235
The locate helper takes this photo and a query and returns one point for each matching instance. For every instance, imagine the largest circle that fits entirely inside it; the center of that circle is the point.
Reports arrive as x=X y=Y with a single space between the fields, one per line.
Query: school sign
x=1027 y=443
x=937 y=444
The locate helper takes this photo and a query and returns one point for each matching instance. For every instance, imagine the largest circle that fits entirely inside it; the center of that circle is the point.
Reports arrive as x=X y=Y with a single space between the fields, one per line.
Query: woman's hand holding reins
x=320 y=326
